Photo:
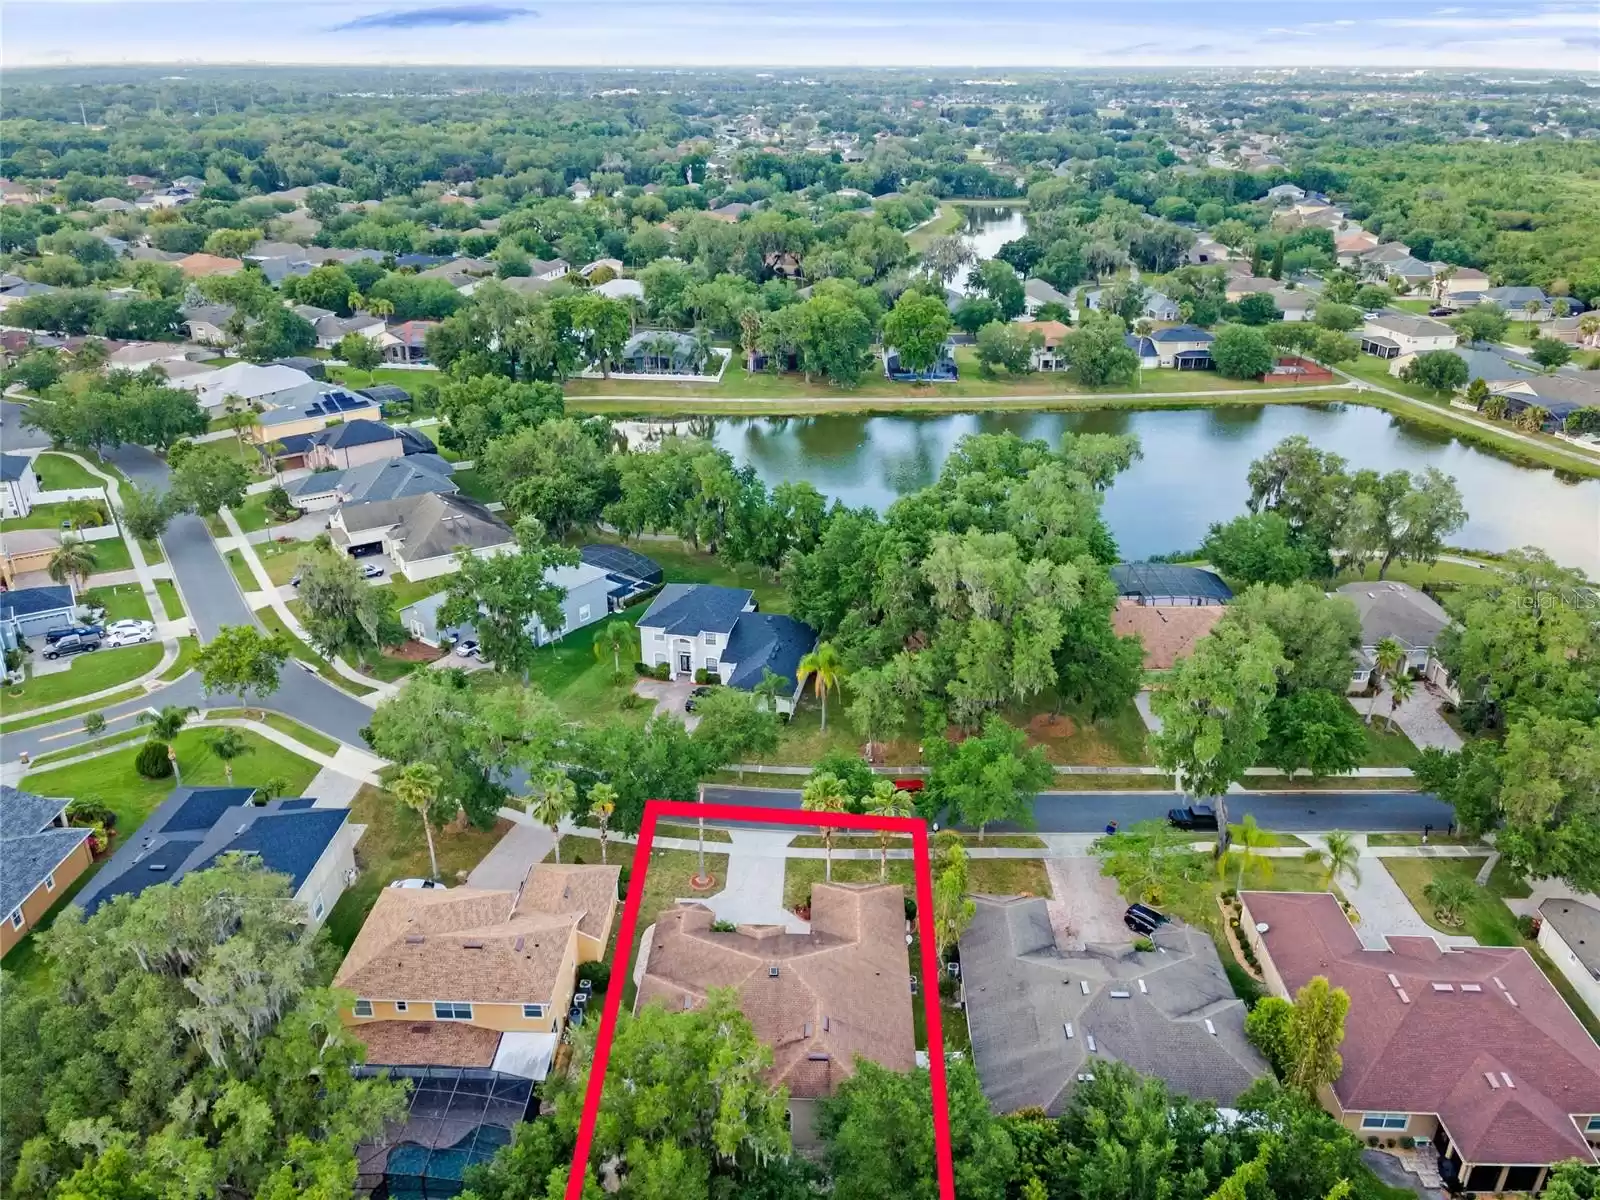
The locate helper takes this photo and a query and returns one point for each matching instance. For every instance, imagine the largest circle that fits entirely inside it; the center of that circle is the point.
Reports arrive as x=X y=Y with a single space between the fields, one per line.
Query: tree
x=823 y=665
x=734 y=725
x=559 y=473
x=1258 y=308
x=1337 y=855
x=823 y=793
x=1401 y=689
x=999 y=282
x=145 y=512
x=207 y=481
x=75 y=561
x=1402 y=517
x=953 y=908
x=876 y=707
x=973 y=313
x=1244 y=852
x=342 y=613
x=232 y=243
x=1450 y=894
x=480 y=408
x=1549 y=800
x=277 y=333
x=1437 y=370
x=1341 y=318
x=1388 y=656
x=888 y=801
x=552 y=803
x=611 y=639
x=83 y=513
x=991 y=777
x=1009 y=346
x=94 y=724
x=359 y=353
x=658 y=760
x=1483 y=322
x=916 y=329
x=243 y=661
x=1478 y=393
x=417 y=787
x=1256 y=548
x=1314 y=731
x=945 y=255
x=602 y=806
x=835 y=339
x=1270 y=1028
x=167 y=721
x=1242 y=353
x=508 y=598
x=1099 y=354
x=1315 y=1032
x=228 y=744
x=1213 y=711
x=1550 y=353
x=1316 y=633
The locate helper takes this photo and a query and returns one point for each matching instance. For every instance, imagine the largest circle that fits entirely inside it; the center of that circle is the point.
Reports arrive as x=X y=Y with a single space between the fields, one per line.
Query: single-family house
x=308 y=408
x=477 y=977
x=1237 y=287
x=1570 y=330
x=1484 y=361
x=25 y=556
x=41 y=857
x=12 y=192
x=1465 y=279
x=522 y=285
x=1559 y=393
x=136 y=356
x=23 y=290
x=1398 y=612
x=195 y=826
x=587 y=591
x=699 y=627
x=1391 y=334
x=1048 y=355
x=620 y=289
x=208 y=323
x=1041 y=1019
x=1375 y=261
x=553 y=268
x=243 y=381
x=372 y=481
x=821 y=999
x=19 y=485
x=1156 y=306
x=1469 y=1050
x=1036 y=293
x=421 y=534
x=1207 y=252
x=614 y=265
x=1284 y=193
x=113 y=204
x=1183 y=347
x=331 y=328
x=661 y=352
x=1143 y=349
x=1353 y=242
x=1514 y=301
x=199 y=266
x=1168 y=632
x=407 y=342
x=1569 y=932
x=30 y=611
x=1168 y=585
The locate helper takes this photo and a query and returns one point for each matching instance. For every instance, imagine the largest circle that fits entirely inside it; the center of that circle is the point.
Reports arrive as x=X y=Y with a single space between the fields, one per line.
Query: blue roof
x=696 y=608
x=1142 y=346
x=1160 y=581
x=163 y=863
x=1182 y=333
x=355 y=433
x=287 y=842
x=201 y=807
x=13 y=467
x=27 y=602
x=764 y=642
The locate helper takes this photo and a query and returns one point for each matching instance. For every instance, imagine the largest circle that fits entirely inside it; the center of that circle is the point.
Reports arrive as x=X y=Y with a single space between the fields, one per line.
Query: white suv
x=129 y=632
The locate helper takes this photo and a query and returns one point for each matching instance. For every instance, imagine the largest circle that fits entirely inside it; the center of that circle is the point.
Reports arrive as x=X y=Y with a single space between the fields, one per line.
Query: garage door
x=34 y=624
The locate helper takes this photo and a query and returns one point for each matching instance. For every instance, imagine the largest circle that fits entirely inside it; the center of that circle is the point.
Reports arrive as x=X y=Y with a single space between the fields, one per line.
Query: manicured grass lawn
x=682 y=563
x=1194 y=898
x=1271 y=838
x=475 y=485
x=1420 y=574
x=89 y=673
x=406 y=591
x=188 y=651
x=395 y=847
x=991 y=876
x=273 y=623
x=1487 y=918
x=42 y=516
x=252 y=514
x=1385 y=747
x=581 y=685
x=241 y=571
x=385 y=667
x=152 y=552
x=111 y=739
x=76 y=710
x=111 y=554
x=122 y=601
x=168 y=591
x=283 y=724
x=57 y=472
x=1071 y=738
x=281 y=559
x=409 y=380
x=1374 y=370
x=1415 y=839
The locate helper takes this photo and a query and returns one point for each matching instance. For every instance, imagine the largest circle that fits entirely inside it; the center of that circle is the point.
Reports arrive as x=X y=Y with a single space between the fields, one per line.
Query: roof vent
x=1068 y=1028
x=1498 y=984
x=772 y=972
x=816 y=1058
x=1143 y=991
x=415 y=939
x=1401 y=992
x=1471 y=987
x=1116 y=995
x=1091 y=1043
x=566 y=892
x=1084 y=984
x=1210 y=1028
x=1513 y=1000
x=687 y=1004
x=158 y=866
x=1493 y=1082
x=827 y=1024
x=1444 y=987
x=1506 y=1079
x=473 y=945
x=1393 y=980
x=518 y=944
x=805 y=1030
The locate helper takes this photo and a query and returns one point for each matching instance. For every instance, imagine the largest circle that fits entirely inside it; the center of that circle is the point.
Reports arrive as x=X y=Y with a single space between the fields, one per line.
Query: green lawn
x=76 y=710
x=283 y=724
x=956 y=1037
x=188 y=651
x=1487 y=918
x=242 y=573
x=89 y=673
x=111 y=739
x=152 y=552
x=111 y=554
x=394 y=847
x=42 y=516
x=409 y=380
x=1374 y=370
x=581 y=685
x=57 y=472
x=252 y=514
x=281 y=559
x=273 y=623
x=168 y=591
x=122 y=601
x=406 y=591
x=683 y=563
x=1420 y=574
x=474 y=485
x=1386 y=748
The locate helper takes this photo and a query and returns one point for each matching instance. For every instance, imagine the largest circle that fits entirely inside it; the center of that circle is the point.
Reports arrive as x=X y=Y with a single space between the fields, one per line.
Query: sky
x=1544 y=34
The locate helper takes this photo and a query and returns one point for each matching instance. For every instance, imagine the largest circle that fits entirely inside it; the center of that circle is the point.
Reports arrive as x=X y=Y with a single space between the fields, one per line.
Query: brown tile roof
x=1052 y=331
x=842 y=990
x=196 y=265
x=588 y=891
x=1169 y=633
x=1433 y=1051
x=428 y=1043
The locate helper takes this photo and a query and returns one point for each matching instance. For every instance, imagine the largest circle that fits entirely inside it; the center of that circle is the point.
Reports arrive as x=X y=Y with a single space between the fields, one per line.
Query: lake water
x=988 y=228
x=1192 y=472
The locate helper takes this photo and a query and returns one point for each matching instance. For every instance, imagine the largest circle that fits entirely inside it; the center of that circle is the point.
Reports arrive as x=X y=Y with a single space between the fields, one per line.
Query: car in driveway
x=695 y=696
x=372 y=570
x=128 y=637
x=73 y=644
x=1196 y=816
x=55 y=635
x=1143 y=919
x=467 y=648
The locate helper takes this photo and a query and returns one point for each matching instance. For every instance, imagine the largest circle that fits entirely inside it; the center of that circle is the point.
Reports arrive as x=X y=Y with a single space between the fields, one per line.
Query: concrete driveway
x=1386 y=911
x=1418 y=718
x=668 y=696
x=1087 y=909
x=507 y=865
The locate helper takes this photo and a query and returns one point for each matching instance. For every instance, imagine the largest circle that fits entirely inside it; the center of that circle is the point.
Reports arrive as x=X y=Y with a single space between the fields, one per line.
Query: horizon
x=1552 y=36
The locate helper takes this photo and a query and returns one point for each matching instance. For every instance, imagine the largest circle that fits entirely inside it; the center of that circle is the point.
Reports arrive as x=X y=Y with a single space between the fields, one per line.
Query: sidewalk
x=142 y=574
x=151 y=681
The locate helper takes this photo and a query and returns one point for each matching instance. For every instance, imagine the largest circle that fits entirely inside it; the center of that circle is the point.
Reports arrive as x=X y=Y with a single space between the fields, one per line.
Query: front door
x=685 y=666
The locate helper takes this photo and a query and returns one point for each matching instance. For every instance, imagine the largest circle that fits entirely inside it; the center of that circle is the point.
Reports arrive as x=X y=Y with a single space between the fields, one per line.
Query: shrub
x=622 y=883
x=1144 y=945
x=1527 y=926
x=91 y=810
x=911 y=909
x=597 y=973
x=644 y=670
x=152 y=761
x=723 y=927
x=1244 y=985
x=663 y=671
x=949 y=986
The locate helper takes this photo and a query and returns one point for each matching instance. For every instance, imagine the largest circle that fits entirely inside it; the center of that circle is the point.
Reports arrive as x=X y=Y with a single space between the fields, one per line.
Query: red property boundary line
x=622 y=962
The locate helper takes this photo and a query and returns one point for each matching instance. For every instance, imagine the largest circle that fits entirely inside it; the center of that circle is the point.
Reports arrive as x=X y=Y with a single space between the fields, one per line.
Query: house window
x=661 y=637
x=1384 y=1120
x=452 y=1010
x=1593 y=1126
x=711 y=639
x=533 y=1011
x=16 y=918
x=50 y=882
x=317 y=908
x=583 y=612
x=363 y=1008
x=400 y=1006
x=711 y=666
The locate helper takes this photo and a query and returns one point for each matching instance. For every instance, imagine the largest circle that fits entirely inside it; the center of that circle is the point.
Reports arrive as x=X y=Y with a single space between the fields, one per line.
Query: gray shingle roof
x=1396 y=610
x=695 y=608
x=26 y=860
x=1411 y=325
x=764 y=642
x=389 y=479
x=22 y=813
x=1579 y=926
x=441 y=524
x=1022 y=992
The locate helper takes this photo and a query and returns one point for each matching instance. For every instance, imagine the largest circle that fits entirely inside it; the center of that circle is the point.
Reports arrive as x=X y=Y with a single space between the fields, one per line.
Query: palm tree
x=552 y=804
x=75 y=560
x=83 y=513
x=1401 y=688
x=824 y=663
x=613 y=638
x=1387 y=657
x=1589 y=326
x=417 y=787
x=354 y=301
x=229 y=744
x=887 y=800
x=602 y=804
x=1531 y=307
x=243 y=421
x=1244 y=850
x=824 y=793
x=1449 y=894
x=164 y=725
x=381 y=308
x=749 y=334
x=1337 y=856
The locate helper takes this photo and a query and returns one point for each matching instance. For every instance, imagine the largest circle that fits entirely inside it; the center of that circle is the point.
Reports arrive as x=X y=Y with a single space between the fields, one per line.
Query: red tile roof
x=1465 y=1014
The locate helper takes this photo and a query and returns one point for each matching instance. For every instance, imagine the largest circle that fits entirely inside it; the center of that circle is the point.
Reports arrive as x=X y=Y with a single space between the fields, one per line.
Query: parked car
x=372 y=570
x=130 y=623
x=55 y=635
x=128 y=637
x=1141 y=918
x=910 y=785
x=294 y=581
x=694 y=697
x=1441 y=312
x=418 y=883
x=74 y=644
x=1196 y=816
x=467 y=648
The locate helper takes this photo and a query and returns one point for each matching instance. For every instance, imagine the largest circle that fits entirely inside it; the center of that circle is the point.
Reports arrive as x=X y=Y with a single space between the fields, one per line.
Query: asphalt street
x=1289 y=812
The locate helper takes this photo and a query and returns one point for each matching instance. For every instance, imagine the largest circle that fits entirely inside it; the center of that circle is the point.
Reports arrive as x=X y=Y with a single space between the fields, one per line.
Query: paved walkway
x=1385 y=909
x=1141 y=701
x=753 y=892
x=333 y=789
x=142 y=574
x=506 y=866
x=1418 y=718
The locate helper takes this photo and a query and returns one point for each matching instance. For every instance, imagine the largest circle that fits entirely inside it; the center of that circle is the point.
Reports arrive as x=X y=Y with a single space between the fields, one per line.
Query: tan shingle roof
x=843 y=990
x=1168 y=633
x=590 y=892
x=427 y=1043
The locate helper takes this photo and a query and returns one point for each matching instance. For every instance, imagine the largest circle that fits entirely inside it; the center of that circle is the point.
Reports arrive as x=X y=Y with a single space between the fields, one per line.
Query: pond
x=988 y=227
x=1192 y=472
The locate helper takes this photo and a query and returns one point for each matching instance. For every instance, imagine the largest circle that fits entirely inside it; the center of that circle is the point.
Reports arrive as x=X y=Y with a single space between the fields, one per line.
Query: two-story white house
x=1391 y=334
x=19 y=486
x=700 y=627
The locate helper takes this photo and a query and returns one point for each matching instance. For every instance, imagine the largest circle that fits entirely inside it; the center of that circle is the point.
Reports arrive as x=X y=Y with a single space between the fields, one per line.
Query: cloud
x=423 y=18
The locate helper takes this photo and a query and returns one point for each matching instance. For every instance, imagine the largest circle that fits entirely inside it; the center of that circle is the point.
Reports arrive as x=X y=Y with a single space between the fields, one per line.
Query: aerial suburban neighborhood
x=662 y=630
